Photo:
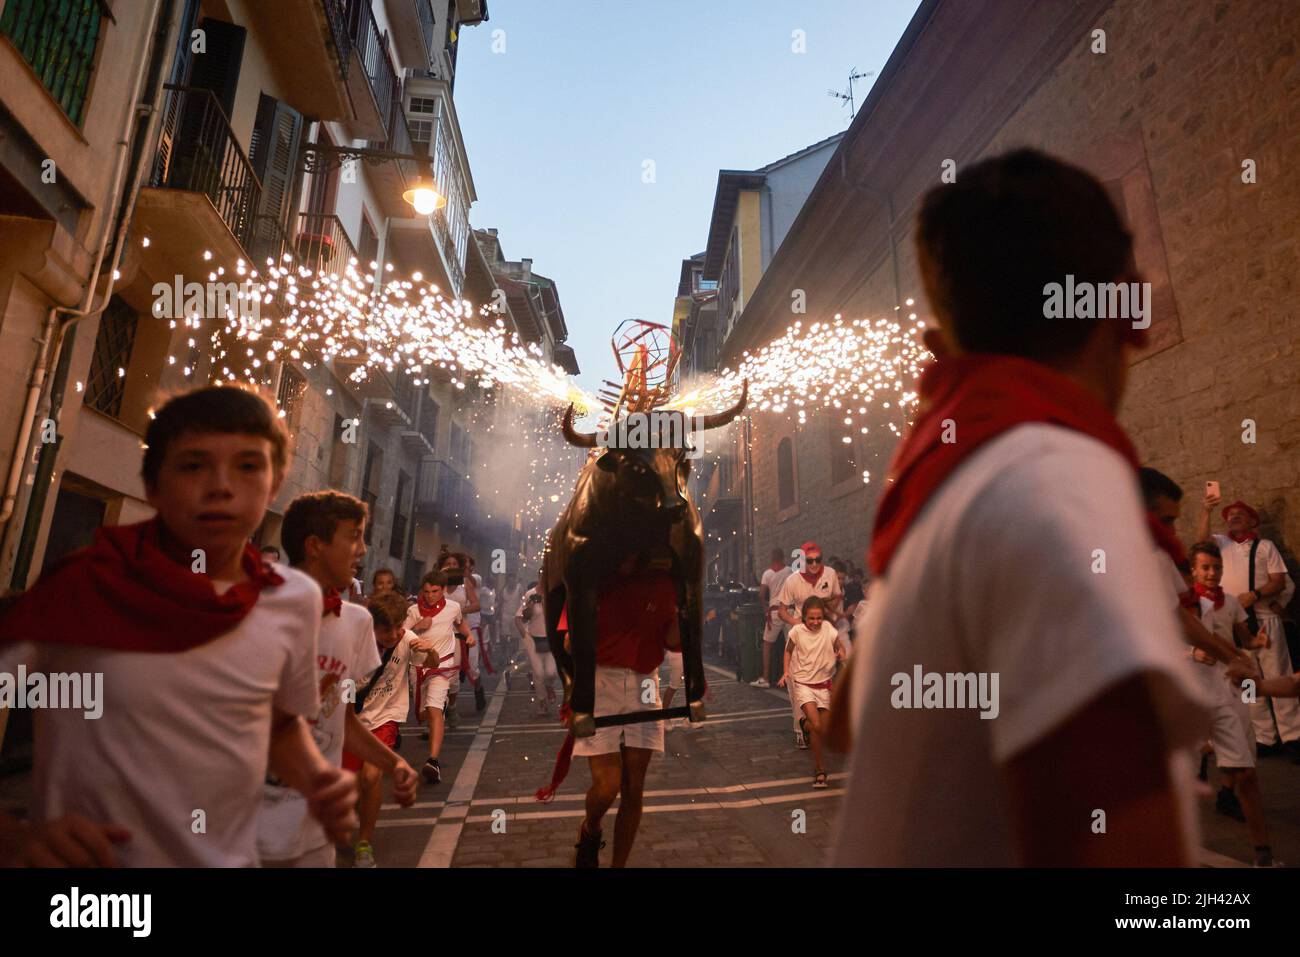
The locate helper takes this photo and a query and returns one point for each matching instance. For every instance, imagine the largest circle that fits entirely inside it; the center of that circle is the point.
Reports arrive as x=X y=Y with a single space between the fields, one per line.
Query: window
x=429 y=422
x=289 y=396
x=708 y=284
x=785 y=475
x=843 y=454
x=457 y=444
x=59 y=41
x=421 y=130
x=106 y=383
x=370 y=485
x=368 y=244
x=397 y=543
x=423 y=104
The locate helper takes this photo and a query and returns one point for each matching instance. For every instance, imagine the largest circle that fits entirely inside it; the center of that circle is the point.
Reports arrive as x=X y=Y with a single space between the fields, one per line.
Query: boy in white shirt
x=530 y=622
x=812 y=651
x=769 y=587
x=1230 y=731
x=437 y=619
x=381 y=706
x=324 y=536
x=1015 y=464
x=208 y=657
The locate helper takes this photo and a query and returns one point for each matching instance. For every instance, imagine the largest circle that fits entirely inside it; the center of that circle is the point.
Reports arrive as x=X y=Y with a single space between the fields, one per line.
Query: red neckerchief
x=1215 y=594
x=333 y=603
x=812 y=577
x=1242 y=537
x=125 y=593
x=987 y=395
x=431 y=611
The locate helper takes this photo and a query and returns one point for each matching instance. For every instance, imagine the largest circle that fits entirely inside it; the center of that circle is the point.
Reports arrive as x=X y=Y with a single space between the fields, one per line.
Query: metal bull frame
x=579 y=558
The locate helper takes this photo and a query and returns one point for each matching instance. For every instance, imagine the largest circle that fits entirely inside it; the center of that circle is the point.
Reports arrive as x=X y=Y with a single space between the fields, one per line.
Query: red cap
x=1254 y=515
x=807 y=547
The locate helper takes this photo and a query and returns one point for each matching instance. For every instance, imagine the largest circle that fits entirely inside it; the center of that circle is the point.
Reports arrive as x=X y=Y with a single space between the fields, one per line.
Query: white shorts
x=436 y=690
x=619 y=691
x=1232 y=734
x=322 y=856
x=773 y=630
x=801 y=693
x=673 y=659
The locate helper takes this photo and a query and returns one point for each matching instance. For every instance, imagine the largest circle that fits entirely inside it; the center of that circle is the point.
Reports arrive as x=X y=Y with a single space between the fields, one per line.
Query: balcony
x=392 y=178
x=322 y=244
x=412 y=22
x=444 y=493
x=371 y=77
x=312 y=37
x=201 y=193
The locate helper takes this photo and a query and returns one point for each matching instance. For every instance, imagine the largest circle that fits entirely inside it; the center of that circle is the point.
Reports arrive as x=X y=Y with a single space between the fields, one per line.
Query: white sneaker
x=364 y=855
x=759 y=683
x=800 y=741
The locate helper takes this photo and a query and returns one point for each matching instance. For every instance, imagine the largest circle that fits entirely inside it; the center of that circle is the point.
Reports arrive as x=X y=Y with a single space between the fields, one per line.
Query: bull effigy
x=631 y=501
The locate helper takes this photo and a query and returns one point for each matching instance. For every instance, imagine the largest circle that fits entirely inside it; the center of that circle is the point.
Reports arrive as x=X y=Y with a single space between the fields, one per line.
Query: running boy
x=530 y=622
x=208 y=657
x=1231 y=731
x=324 y=535
x=437 y=619
x=812 y=650
x=381 y=706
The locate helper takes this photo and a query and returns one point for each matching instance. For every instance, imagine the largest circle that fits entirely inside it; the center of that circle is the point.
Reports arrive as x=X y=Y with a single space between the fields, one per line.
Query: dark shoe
x=1228 y=805
x=480 y=699
x=432 y=771
x=588 y=848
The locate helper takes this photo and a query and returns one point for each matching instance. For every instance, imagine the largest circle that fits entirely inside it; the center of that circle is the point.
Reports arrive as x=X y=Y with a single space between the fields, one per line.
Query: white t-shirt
x=442 y=631
x=1214 y=678
x=795 y=590
x=774 y=578
x=487 y=599
x=388 y=699
x=180 y=733
x=345 y=652
x=812 y=659
x=1042 y=501
x=1171 y=579
x=1236 y=570
x=533 y=614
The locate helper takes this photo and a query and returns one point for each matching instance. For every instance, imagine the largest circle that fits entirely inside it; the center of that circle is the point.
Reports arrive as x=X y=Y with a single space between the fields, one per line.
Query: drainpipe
x=60 y=321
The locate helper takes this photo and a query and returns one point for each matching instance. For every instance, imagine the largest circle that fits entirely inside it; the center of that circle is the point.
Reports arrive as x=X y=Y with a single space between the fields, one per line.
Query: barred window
x=289 y=397
x=58 y=38
x=106 y=383
x=421 y=131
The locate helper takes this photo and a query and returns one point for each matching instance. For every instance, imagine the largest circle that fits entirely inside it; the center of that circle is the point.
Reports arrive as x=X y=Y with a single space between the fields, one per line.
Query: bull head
x=714 y=420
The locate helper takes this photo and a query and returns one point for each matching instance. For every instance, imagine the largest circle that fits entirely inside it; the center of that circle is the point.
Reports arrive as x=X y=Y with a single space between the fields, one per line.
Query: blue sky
x=559 y=125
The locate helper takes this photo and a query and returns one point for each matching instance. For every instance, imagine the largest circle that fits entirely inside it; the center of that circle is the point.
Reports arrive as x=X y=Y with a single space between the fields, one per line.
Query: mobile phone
x=1212 y=488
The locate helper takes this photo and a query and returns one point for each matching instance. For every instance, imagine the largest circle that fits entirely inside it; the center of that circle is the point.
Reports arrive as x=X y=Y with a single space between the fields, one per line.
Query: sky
x=560 y=118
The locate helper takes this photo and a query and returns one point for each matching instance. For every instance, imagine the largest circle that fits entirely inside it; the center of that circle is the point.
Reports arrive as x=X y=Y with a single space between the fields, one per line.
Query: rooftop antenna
x=848 y=97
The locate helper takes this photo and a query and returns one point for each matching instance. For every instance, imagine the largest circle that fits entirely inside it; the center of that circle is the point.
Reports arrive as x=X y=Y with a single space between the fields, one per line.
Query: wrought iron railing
x=372 y=47
x=336 y=13
x=399 y=136
x=197 y=151
x=424 y=9
x=322 y=243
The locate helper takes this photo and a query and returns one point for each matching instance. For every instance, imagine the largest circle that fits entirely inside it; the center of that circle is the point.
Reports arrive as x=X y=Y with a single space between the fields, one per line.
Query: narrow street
x=724 y=795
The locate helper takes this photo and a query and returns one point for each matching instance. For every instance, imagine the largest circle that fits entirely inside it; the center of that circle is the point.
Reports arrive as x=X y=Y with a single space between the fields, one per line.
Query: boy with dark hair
x=1097 y=706
x=1230 y=730
x=324 y=535
x=437 y=620
x=381 y=706
x=208 y=657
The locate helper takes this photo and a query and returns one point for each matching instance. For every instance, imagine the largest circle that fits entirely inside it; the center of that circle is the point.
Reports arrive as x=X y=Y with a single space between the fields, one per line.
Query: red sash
x=125 y=593
x=985 y=396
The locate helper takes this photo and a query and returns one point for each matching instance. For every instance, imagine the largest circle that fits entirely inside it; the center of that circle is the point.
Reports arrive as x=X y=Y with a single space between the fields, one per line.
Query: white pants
x=542 y=664
x=673 y=659
x=623 y=691
x=322 y=856
x=1275 y=661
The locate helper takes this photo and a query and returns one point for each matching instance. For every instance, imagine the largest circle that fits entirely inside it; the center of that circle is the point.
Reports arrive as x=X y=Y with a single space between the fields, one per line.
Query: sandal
x=819 y=781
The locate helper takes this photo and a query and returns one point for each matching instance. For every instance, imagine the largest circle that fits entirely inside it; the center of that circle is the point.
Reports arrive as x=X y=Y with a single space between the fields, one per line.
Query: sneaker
x=432 y=771
x=759 y=683
x=1227 y=804
x=588 y=848
x=480 y=698
x=819 y=781
x=363 y=855
x=800 y=741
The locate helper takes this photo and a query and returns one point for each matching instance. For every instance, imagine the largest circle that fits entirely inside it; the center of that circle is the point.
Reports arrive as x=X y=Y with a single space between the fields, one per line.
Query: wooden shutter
x=273 y=152
x=217 y=69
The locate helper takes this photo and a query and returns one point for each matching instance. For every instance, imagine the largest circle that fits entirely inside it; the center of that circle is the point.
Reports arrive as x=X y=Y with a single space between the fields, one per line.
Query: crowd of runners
x=254 y=699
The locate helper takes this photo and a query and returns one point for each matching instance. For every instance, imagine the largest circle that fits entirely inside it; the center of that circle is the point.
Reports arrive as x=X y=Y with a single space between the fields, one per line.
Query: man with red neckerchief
x=1011 y=542
x=815 y=579
x=437 y=618
x=1279 y=719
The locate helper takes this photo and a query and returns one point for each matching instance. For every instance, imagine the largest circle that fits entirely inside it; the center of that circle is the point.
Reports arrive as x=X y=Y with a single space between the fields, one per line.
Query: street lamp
x=424 y=197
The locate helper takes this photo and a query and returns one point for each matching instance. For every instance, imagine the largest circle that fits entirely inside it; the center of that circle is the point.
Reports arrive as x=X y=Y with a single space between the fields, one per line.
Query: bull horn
x=717 y=419
x=583 y=440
